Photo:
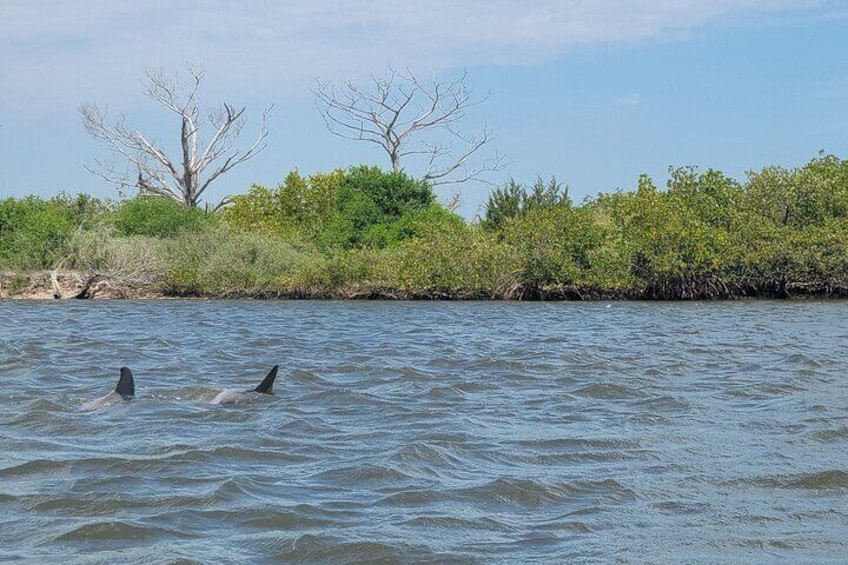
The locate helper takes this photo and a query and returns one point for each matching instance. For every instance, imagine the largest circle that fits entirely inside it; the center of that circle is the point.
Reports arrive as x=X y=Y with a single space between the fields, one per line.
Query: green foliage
x=364 y=233
x=138 y=261
x=679 y=238
x=392 y=193
x=298 y=209
x=565 y=248
x=370 y=201
x=34 y=231
x=513 y=200
x=711 y=197
x=457 y=261
x=256 y=211
x=504 y=204
x=423 y=222
x=348 y=274
x=220 y=263
x=356 y=216
x=551 y=246
x=801 y=197
x=340 y=210
x=154 y=216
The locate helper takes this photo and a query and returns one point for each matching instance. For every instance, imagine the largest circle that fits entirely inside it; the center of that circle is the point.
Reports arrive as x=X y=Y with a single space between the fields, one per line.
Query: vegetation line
x=362 y=233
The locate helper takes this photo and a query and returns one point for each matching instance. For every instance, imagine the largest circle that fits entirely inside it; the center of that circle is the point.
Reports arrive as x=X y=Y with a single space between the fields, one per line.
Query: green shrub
x=339 y=210
x=391 y=193
x=369 y=202
x=299 y=209
x=346 y=273
x=363 y=232
x=513 y=200
x=216 y=262
x=33 y=232
x=456 y=261
x=421 y=222
x=555 y=244
x=255 y=211
x=137 y=260
x=155 y=216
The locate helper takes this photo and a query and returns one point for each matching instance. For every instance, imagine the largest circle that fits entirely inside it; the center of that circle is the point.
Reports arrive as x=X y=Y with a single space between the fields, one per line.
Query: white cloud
x=54 y=50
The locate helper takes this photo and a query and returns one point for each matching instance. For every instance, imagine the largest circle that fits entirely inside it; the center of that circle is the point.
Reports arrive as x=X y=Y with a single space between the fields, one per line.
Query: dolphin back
x=126 y=384
x=267 y=384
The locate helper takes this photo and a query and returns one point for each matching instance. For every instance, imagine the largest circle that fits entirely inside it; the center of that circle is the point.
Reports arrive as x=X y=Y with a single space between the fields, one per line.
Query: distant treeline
x=365 y=233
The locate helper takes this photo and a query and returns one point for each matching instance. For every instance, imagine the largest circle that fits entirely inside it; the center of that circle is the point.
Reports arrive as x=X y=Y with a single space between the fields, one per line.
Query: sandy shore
x=49 y=285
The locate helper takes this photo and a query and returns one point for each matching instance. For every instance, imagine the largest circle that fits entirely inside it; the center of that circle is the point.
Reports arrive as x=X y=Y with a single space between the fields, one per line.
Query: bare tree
x=407 y=117
x=203 y=158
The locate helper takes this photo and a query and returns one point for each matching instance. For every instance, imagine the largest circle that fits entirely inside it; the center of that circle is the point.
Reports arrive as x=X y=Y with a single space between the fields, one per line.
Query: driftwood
x=71 y=285
x=87 y=286
x=54 y=279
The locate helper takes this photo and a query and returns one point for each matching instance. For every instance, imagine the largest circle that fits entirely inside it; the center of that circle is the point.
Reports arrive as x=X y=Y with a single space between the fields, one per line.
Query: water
x=426 y=433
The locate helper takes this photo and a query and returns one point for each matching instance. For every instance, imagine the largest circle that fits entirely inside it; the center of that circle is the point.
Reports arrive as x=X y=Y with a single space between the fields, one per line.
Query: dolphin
x=124 y=391
x=236 y=396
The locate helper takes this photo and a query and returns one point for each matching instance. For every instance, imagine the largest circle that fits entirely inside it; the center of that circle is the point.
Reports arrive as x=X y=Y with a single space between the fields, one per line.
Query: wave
x=360 y=475
x=333 y=549
x=603 y=391
x=528 y=493
x=827 y=480
x=115 y=531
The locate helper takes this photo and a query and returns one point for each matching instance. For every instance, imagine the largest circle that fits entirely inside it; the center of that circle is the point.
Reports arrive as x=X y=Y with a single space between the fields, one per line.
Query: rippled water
x=426 y=433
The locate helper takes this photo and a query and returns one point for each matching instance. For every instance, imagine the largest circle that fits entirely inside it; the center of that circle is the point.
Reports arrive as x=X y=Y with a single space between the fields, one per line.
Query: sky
x=593 y=93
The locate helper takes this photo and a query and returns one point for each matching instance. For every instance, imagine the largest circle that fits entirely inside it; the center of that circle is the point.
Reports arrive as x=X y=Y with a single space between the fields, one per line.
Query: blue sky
x=594 y=93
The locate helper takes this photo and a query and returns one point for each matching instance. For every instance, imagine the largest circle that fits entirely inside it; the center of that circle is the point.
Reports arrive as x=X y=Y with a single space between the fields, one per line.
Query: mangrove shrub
x=155 y=216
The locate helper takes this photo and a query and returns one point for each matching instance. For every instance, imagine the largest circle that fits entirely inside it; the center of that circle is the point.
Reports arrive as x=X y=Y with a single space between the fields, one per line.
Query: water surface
x=426 y=433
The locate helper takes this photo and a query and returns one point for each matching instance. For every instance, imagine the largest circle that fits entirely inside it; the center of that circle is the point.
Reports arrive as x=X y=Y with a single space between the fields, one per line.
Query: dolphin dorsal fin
x=267 y=384
x=126 y=385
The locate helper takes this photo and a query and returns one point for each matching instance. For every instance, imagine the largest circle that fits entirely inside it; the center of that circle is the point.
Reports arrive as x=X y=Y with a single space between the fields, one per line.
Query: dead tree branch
x=410 y=120
x=202 y=159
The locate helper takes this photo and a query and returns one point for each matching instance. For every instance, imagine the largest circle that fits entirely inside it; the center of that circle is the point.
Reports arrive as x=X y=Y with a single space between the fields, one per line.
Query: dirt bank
x=56 y=285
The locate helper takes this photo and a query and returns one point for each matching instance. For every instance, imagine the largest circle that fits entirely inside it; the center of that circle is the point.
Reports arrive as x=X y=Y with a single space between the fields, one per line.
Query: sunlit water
x=426 y=433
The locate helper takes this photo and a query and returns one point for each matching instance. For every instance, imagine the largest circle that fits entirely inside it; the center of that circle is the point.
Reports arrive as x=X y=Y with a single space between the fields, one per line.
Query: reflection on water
x=426 y=433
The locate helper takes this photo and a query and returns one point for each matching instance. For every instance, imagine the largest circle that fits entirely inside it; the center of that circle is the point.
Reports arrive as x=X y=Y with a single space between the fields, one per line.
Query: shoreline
x=62 y=285
x=78 y=285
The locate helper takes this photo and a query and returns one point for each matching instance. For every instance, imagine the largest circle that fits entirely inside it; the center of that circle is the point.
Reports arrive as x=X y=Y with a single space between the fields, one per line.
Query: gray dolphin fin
x=126 y=384
x=267 y=384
